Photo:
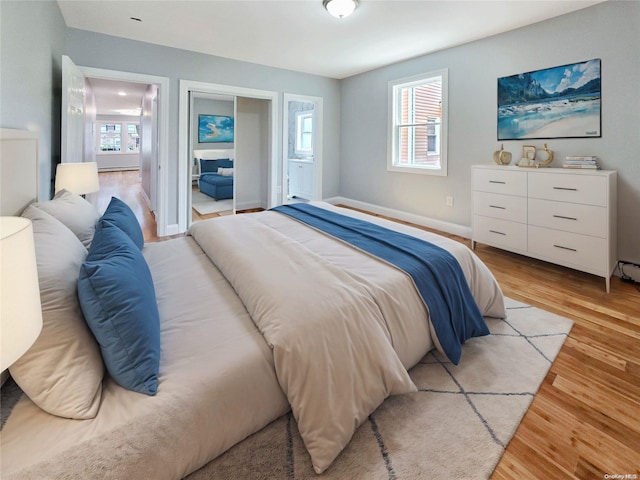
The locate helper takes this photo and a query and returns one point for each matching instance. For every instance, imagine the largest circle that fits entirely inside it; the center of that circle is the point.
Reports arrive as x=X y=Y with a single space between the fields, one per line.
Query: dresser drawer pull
x=499 y=233
x=564 y=218
x=496 y=181
x=565 y=188
x=565 y=248
x=498 y=206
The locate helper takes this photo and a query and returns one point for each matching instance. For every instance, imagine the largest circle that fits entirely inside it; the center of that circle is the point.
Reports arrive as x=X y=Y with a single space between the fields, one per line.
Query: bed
x=227 y=366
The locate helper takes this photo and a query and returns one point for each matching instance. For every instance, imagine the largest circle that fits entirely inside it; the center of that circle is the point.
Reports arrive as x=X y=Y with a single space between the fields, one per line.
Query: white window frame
x=394 y=112
x=124 y=137
x=300 y=117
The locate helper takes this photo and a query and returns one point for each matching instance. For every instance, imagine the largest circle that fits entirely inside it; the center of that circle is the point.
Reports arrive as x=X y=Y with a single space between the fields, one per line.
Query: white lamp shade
x=79 y=178
x=340 y=8
x=20 y=312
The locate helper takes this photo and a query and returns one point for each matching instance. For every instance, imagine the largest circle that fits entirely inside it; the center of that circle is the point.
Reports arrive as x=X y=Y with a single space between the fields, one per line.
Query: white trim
x=184 y=162
x=318 y=141
x=434 y=223
x=162 y=188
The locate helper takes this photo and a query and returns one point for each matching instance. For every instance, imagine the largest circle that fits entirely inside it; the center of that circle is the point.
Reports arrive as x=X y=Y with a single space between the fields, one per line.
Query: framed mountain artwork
x=557 y=102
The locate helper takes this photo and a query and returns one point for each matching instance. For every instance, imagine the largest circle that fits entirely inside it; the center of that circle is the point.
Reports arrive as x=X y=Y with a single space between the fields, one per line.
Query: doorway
x=73 y=129
x=302 y=148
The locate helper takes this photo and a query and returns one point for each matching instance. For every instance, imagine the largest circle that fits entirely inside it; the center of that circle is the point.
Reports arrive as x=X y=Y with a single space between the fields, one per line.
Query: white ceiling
x=110 y=102
x=301 y=35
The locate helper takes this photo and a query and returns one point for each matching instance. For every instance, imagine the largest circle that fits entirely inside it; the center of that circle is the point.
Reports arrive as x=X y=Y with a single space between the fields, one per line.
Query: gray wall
x=609 y=31
x=103 y=51
x=32 y=36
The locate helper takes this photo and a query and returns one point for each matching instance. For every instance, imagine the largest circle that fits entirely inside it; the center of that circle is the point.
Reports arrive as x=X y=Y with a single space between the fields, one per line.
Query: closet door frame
x=274 y=188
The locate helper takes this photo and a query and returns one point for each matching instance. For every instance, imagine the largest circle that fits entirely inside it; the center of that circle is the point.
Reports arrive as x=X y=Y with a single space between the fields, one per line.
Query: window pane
x=304 y=137
x=417 y=146
x=133 y=138
x=110 y=137
x=420 y=103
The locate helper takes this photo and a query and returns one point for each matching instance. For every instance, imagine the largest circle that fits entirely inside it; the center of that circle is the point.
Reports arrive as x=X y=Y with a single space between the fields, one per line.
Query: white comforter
x=331 y=327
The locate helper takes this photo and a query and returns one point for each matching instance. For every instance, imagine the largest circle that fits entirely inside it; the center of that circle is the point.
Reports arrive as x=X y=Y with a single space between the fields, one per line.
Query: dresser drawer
x=585 y=189
x=501 y=233
x=569 y=217
x=506 y=207
x=571 y=249
x=506 y=182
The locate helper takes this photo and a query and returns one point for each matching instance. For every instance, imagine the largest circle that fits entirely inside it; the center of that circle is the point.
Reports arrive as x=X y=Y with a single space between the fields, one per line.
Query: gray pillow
x=62 y=372
x=75 y=212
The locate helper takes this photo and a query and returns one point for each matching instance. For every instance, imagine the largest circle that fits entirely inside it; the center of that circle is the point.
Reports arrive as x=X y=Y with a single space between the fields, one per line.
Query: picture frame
x=215 y=129
x=556 y=102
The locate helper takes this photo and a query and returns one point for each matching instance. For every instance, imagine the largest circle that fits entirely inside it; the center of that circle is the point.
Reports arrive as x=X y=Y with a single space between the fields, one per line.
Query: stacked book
x=587 y=161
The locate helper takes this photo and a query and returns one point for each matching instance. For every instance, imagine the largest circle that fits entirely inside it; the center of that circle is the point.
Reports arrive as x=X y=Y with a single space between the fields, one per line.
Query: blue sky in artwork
x=569 y=76
x=215 y=128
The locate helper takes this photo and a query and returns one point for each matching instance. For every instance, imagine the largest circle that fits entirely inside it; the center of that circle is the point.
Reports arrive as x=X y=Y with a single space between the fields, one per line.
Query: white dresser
x=563 y=216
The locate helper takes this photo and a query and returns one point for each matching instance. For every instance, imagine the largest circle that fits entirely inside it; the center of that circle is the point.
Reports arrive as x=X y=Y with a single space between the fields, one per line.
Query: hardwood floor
x=584 y=423
x=126 y=186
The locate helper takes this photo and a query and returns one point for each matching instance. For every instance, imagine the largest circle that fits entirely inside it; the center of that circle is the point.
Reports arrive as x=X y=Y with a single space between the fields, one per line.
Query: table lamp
x=20 y=312
x=79 y=178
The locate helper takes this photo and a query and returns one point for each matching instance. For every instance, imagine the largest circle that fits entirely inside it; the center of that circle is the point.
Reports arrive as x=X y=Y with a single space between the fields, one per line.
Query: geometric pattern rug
x=456 y=426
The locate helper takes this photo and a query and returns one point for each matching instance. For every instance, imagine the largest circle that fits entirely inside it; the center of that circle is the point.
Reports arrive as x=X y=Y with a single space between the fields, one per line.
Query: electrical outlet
x=449 y=201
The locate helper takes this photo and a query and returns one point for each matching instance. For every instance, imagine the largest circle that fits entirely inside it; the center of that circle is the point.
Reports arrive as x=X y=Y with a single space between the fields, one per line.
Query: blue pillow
x=118 y=301
x=211 y=166
x=119 y=214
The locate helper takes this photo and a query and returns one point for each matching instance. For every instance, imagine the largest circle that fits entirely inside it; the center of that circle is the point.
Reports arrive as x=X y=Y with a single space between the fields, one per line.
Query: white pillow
x=62 y=371
x=75 y=212
x=225 y=172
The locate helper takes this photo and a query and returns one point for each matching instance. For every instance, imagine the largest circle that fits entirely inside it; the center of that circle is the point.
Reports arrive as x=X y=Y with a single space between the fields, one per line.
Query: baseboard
x=447 y=227
x=173 y=229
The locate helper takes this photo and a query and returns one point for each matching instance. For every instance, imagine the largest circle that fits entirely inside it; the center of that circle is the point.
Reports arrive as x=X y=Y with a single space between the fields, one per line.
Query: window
x=417 y=124
x=133 y=138
x=118 y=137
x=304 y=133
x=110 y=137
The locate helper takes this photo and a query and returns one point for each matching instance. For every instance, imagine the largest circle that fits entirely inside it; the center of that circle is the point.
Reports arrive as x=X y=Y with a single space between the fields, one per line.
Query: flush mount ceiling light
x=340 y=8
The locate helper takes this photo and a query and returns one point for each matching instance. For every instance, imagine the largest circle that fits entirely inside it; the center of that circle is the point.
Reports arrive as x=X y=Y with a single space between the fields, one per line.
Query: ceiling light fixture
x=340 y=8
x=122 y=94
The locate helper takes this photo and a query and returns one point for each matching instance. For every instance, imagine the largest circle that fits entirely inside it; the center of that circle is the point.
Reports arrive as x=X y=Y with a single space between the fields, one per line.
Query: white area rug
x=456 y=426
x=204 y=204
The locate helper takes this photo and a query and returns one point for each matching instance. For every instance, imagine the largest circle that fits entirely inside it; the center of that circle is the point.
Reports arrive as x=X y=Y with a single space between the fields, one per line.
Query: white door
x=72 y=112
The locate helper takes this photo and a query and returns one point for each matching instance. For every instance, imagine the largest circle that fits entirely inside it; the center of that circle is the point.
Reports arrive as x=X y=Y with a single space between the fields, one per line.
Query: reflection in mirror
x=213 y=155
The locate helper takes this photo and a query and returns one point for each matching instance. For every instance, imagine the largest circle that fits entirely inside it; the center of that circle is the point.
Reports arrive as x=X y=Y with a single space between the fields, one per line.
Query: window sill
x=439 y=172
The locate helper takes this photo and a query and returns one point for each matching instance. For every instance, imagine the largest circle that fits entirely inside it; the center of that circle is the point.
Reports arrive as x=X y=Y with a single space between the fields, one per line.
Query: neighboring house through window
x=418 y=124
x=113 y=136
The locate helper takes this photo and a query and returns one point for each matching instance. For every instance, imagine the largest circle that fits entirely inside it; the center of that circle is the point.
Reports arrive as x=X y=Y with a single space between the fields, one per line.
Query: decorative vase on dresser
x=563 y=216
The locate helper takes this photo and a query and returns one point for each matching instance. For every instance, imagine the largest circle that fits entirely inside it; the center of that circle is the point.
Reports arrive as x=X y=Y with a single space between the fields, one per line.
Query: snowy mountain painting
x=558 y=102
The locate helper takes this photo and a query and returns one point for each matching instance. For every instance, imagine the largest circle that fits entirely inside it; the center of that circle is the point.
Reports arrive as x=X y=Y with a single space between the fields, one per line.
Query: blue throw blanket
x=454 y=314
